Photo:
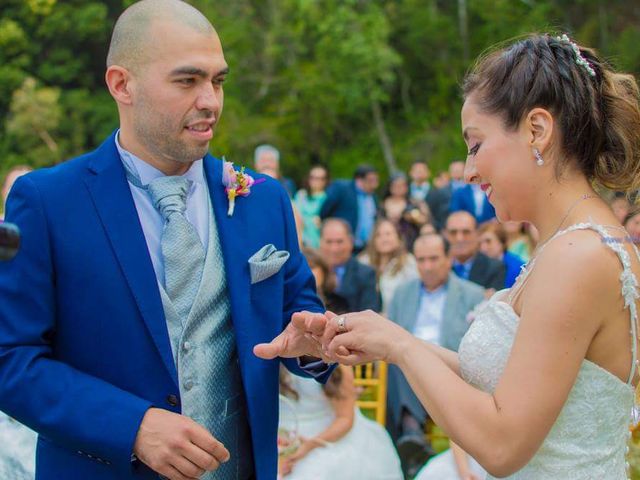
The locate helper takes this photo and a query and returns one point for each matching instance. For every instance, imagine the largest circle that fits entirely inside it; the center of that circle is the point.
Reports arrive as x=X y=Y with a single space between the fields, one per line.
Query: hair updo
x=599 y=116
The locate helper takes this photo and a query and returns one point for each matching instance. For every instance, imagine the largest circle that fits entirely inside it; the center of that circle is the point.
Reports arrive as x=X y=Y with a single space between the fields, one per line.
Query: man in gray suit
x=434 y=308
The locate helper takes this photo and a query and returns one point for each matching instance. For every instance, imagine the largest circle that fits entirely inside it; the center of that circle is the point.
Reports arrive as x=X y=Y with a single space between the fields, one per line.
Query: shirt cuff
x=312 y=366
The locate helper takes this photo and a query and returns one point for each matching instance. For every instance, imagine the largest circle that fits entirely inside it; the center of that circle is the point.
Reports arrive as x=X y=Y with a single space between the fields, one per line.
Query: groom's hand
x=301 y=337
x=177 y=447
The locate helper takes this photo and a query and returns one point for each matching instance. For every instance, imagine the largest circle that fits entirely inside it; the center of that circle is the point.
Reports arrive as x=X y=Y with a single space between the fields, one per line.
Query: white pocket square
x=266 y=262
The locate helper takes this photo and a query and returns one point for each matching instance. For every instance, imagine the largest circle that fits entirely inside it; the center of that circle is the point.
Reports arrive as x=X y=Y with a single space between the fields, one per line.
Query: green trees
x=339 y=81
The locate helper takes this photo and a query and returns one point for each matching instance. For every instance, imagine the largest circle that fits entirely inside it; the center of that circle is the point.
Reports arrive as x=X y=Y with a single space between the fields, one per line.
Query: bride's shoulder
x=579 y=264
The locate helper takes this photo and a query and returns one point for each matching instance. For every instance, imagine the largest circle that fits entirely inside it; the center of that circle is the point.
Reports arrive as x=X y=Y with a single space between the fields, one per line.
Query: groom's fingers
x=271 y=350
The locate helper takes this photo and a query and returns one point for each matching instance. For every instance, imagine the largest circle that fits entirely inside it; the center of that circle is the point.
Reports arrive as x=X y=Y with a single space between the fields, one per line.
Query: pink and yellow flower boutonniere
x=236 y=184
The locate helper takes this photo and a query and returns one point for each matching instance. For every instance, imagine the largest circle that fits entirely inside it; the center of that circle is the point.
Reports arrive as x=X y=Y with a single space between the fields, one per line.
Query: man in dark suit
x=472 y=199
x=434 y=308
x=356 y=282
x=421 y=191
x=354 y=201
x=461 y=230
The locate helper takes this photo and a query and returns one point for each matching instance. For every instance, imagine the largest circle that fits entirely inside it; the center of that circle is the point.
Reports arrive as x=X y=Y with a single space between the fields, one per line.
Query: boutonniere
x=236 y=184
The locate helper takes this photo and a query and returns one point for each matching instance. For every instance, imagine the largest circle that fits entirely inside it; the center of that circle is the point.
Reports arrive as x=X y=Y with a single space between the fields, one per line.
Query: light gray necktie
x=182 y=249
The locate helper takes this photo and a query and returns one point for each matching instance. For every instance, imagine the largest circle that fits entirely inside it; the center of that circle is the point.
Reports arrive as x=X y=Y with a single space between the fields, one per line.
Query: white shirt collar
x=146 y=172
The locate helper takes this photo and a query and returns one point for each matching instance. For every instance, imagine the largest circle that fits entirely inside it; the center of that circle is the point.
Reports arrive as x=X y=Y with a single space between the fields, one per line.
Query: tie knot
x=169 y=195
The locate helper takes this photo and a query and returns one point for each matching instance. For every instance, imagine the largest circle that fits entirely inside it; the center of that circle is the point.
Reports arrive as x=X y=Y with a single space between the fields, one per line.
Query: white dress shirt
x=152 y=224
x=430 y=313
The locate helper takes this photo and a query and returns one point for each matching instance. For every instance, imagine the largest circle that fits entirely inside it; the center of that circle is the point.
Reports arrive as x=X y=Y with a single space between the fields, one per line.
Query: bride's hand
x=364 y=337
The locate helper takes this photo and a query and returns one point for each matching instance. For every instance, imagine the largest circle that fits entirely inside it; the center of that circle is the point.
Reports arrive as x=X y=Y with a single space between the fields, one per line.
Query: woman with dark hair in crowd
x=493 y=243
x=521 y=238
x=408 y=216
x=325 y=282
x=543 y=384
x=388 y=256
x=308 y=200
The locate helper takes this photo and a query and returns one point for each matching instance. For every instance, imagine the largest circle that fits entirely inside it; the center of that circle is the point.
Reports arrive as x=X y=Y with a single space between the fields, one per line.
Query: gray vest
x=204 y=351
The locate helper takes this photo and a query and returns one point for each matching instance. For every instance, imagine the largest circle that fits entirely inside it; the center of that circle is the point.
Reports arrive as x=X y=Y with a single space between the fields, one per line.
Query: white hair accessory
x=580 y=60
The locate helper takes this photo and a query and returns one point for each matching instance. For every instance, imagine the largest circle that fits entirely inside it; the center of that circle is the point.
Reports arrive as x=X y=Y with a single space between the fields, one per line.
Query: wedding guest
x=468 y=261
x=493 y=243
x=388 y=256
x=326 y=282
x=436 y=199
x=427 y=229
x=407 y=214
x=266 y=160
x=355 y=202
x=433 y=308
x=356 y=282
x=337 y=441
x=456 y=173
x=472 y=199
x=309 y=200
x=521 y=238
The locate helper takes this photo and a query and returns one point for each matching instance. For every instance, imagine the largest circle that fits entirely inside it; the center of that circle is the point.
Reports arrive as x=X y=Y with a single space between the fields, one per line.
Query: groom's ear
x=119 y=81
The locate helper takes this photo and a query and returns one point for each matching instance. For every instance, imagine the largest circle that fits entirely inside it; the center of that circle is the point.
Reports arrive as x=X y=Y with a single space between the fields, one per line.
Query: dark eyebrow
x=196 y=71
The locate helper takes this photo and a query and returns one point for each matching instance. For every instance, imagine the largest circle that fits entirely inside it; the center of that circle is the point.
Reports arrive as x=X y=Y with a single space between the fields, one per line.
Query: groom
x=129 y=317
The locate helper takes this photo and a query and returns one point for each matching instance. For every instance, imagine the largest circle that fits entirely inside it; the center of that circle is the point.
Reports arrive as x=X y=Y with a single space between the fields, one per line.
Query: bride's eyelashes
x=474 y=149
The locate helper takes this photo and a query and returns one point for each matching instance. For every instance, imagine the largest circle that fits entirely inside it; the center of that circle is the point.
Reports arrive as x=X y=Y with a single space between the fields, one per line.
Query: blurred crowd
x=426 y=251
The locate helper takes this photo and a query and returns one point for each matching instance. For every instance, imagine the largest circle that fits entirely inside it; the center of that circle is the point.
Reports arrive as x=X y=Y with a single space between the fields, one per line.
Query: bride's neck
x=561 y=205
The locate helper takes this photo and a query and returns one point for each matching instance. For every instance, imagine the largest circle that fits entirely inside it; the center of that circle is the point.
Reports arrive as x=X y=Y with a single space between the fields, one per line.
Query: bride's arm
x=560 y=316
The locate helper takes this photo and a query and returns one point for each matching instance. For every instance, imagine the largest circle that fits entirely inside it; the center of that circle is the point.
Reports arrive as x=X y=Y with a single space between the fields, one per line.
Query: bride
x=543 y=385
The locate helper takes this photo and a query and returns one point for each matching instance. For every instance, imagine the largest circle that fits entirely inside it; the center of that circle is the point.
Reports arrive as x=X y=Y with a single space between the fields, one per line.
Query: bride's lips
x=486 y=188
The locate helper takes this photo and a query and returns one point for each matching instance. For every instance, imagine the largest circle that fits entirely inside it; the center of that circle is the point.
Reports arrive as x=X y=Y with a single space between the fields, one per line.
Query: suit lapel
x=413 y=309
x=112 y=198
x=232 y=233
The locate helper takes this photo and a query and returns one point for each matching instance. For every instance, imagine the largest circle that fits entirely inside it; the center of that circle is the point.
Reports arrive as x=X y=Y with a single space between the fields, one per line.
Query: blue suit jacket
x=342 y=202
x=84 y=348
x=463 y=199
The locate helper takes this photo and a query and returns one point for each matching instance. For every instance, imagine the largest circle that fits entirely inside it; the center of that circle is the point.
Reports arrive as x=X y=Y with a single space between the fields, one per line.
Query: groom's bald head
x=132 y=34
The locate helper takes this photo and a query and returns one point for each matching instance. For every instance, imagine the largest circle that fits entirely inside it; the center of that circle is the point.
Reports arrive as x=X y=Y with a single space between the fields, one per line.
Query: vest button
x=188 y=385
x=186 y=346
x=172 y=400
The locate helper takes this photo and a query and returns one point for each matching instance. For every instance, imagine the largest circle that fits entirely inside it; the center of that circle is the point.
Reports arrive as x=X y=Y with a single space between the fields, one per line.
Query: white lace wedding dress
x=589 y=437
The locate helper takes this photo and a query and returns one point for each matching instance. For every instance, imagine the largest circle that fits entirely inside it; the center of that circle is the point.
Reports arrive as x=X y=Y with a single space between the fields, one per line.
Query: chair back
x=371 y=383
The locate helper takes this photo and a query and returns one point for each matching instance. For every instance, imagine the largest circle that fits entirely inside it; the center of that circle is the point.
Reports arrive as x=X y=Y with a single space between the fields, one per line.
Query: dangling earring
x=538 y=155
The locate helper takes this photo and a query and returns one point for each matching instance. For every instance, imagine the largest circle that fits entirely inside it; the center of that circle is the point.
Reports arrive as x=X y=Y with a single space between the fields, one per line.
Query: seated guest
x=407 y=214
x=472 y=199
x=356 y=282
x=325 y=282
x=427 y=229
x=337 y=441
x=468 y=262
x=309 y=200
x=387 y=255
x=266 y=160
x=355 y=202
x=452 y=464
x=521 y=238
x=420 y=191
x=434 y=308
x=493 y=243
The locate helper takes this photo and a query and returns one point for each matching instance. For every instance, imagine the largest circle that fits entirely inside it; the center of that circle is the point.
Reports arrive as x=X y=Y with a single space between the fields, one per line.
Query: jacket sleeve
x=331 y=201
x=77 y=411
x=299 y=292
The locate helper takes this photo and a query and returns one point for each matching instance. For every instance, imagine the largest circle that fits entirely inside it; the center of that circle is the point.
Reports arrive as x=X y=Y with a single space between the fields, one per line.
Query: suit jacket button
x=172 y=400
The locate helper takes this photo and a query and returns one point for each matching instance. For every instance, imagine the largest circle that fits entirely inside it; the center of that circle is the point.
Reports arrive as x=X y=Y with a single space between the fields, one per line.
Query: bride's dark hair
x=598 y=114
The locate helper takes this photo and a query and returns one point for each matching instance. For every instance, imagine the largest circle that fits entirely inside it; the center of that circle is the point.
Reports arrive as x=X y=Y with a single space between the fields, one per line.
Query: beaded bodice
x=588 y=439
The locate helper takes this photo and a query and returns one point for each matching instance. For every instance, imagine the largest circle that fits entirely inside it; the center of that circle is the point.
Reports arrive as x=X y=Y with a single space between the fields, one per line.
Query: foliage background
x=337 y=81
